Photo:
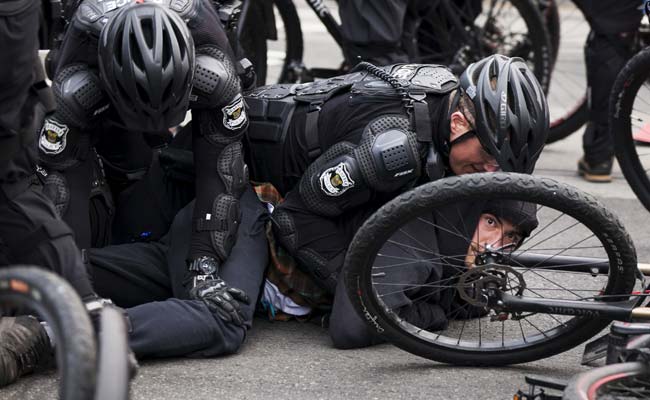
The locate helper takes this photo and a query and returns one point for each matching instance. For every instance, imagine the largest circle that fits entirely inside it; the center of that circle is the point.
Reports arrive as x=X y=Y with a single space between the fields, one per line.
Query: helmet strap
x=465 y=136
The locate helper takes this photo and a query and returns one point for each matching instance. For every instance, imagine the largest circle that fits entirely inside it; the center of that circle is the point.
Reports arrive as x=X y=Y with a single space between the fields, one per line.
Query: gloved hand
x=220 y=298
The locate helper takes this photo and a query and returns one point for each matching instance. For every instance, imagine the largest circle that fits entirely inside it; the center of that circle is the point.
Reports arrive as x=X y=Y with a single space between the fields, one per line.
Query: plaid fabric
x=283 y=269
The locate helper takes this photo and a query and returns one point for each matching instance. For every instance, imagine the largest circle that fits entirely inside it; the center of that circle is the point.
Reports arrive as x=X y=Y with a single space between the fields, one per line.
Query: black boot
x=23 y=345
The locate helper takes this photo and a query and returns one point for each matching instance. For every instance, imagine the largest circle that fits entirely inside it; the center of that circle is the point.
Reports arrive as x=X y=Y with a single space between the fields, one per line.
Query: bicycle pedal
x=546 y=382
x=595 y=350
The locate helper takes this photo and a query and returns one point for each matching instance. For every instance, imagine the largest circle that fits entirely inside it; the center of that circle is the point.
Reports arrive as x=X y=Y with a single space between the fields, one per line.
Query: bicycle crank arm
x=619 y=310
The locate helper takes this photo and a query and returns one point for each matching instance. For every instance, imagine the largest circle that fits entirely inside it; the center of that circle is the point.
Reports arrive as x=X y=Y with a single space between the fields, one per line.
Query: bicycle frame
x=624 y=310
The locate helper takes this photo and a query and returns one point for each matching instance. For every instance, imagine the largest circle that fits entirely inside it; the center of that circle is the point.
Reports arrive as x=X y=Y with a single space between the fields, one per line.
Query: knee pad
x=232 y=169
x=56 y=188
x=222 y=224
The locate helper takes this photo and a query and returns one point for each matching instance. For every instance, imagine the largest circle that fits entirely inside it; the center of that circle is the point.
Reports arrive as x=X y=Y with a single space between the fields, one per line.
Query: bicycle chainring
x=479 y=283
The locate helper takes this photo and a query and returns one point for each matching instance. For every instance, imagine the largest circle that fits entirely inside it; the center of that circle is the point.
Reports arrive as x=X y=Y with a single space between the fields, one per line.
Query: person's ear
x=458 y=125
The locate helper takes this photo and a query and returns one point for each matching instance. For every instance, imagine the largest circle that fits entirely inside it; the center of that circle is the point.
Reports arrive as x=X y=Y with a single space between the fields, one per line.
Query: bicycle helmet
x=511 y=111
x=146 y=62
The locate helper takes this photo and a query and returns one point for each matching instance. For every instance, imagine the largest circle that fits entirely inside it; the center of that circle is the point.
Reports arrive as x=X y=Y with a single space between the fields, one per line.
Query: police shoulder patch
x=336 y=180
x=53 y=137
x=234 y=114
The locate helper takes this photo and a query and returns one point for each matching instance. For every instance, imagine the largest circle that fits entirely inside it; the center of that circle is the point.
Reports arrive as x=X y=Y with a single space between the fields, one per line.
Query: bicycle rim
x=627 y=381
x=397 y=246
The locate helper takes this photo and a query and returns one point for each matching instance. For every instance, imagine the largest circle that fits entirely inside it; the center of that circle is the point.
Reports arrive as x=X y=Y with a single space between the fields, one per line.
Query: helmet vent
x=144 y=96
x=147 y=31
x=119 y=36
x=136 y=56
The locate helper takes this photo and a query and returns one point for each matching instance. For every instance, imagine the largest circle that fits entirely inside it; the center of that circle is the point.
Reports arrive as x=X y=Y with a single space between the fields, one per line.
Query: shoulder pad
x=93 y=14
x=273 y=91
x=429 y=77
x=324 y=89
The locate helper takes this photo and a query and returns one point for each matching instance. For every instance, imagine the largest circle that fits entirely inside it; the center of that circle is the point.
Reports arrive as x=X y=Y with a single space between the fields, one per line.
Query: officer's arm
x=346 y=175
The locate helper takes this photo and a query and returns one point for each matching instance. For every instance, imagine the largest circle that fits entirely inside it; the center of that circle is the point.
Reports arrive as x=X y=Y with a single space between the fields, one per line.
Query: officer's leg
x=131 y=274
x=318 y=243
x=32 y=233
x=179 y=326
x=605 y=56
x=373 y=29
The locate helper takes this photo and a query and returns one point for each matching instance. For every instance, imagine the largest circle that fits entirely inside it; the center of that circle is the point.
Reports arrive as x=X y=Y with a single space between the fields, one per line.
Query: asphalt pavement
x=297 y=361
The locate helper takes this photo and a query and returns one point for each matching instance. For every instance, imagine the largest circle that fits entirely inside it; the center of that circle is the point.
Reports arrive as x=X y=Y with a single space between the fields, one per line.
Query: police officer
x=609 y=45
x=341 y=147
x=30 y=231
x=137 y=67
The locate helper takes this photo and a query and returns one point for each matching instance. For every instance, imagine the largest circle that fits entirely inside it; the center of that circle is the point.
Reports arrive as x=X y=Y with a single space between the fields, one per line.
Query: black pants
x=147 y=279
x=373 y=29
x=30 y=230
x=609 y=45
x=32 y=233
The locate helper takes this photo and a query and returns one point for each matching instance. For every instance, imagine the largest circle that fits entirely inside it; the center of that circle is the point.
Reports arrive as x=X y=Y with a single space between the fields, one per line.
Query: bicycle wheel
x=54 y=300
x=412 y=269
x=617 y=381
x=283 y=45
x=629 y=115
x=510 y=27
x=566 y=96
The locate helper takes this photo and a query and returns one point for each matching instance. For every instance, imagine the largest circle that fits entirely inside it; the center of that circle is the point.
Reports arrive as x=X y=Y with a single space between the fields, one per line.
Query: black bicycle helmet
x=511 y=110
x=146 y=62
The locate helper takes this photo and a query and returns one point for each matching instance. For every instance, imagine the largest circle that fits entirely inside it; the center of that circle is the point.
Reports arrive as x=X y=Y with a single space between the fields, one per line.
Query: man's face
x=492 y=232
x=468 y=156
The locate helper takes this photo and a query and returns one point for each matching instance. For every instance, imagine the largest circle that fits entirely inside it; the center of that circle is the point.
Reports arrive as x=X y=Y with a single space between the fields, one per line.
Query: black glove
x=220 y=298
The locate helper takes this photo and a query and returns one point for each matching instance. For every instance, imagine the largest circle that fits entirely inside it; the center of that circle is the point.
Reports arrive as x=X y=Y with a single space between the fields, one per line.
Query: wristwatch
x=204 y=266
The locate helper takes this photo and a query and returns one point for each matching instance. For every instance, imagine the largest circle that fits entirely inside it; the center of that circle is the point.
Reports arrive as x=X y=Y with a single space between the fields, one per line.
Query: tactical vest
x=271 y=108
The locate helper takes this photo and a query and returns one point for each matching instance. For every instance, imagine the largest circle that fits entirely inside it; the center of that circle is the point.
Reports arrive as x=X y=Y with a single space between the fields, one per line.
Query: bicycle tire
x=573 y=120
x=626 y=86
x=54 y=300
x=535 y=27
x=380 y=226
x=113 y=369
x=604 y=380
